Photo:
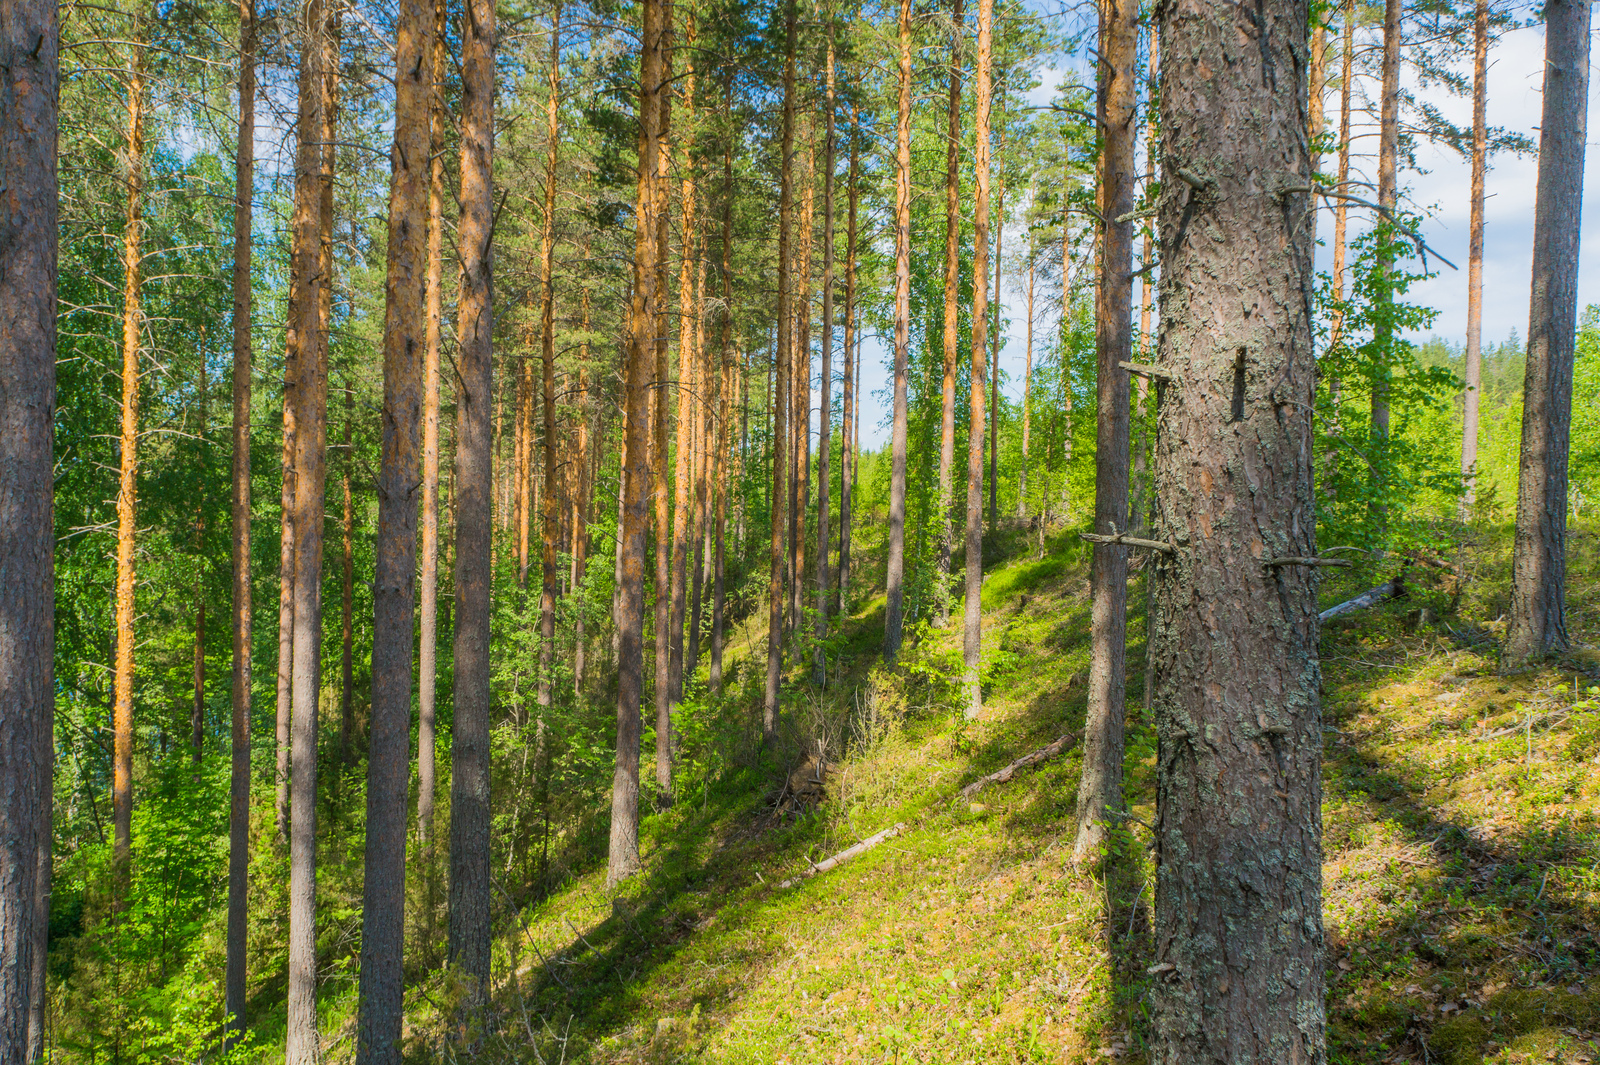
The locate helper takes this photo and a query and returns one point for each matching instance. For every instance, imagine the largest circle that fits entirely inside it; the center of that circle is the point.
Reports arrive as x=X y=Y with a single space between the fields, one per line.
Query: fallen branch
x=845 y=855
x=1390 y=589
x=1124 y=540
x=1033 y=758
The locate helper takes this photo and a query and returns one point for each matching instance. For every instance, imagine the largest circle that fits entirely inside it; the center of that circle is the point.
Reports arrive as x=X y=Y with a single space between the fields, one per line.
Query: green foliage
x=1383 y=487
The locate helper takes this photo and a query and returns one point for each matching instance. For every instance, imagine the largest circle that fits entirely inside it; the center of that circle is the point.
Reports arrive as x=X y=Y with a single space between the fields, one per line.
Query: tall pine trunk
x=29 y=103
x=723 y=483
x=405 y=346
x=847 y=452
x=428 y=591
x=470 y=817
x=1472 y=371
x=778 y=395
x=347 y=588
x=894 y=611
x=1388 y=198
x=550 y=525
x=1027 y=388
x=635 y=495
x=997 y=338
x=1539 y=556
x=972 y=627
x=308 y=410
x=1238 y=971
x=661 y=436
x=825 y=418
x=127 y=485
x=952 y=287
x=1100 y=787
x=234 y=988
x=689 y=399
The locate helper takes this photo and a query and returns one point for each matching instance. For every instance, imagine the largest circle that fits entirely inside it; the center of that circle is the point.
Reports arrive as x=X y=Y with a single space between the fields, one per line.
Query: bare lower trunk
x=894 y=612
x=470 y=817
x=1238 y=971
x=1100 y=787
x=689 y=401
x=1473 y=370
x=29 y=103
x=972 y=627
x=635 y=494
x=660 y=438
x=1388 y=193
x=234 y=987
x=1539 y=558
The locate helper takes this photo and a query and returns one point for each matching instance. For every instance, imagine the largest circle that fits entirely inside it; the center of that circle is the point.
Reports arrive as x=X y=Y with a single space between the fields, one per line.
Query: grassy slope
x=1461 y=848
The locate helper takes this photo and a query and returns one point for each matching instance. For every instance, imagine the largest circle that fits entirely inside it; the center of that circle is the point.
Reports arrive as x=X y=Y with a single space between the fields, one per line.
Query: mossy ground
x=1461 y=853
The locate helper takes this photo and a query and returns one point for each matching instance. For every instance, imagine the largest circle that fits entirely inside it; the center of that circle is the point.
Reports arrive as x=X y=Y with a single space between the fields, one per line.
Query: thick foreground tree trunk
x=29 y=100
x=1238 y=905
x=239 y=784
x=1539 y=557
x=1100 y=788
x=405 y=346
x=635 y=496
x=469 y=750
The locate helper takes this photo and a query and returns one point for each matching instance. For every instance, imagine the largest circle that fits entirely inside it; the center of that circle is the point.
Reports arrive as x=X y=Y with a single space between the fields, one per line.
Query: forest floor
x=1462 y=866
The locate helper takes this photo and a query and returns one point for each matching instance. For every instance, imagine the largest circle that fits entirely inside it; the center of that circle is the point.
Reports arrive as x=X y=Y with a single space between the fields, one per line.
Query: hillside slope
x=1461 y=848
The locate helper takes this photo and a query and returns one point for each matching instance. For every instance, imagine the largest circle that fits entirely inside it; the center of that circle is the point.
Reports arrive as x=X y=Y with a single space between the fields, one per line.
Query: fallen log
x=1390 y=589
x=1044 y=753
x=846 y=854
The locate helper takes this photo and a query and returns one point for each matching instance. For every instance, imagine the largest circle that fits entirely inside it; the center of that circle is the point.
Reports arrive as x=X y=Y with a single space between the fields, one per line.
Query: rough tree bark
x=405 y=346
x=551 y=515
x=972 y=618
x=660 y=434
x=1238 y=907
x=307 y=407
x=779 y=394
x=29 y=102
x=689 y=389
x=944 y=514
x=1100 y=787
x=470 y=499
x=635 y=495
x=825 y=377
x=1473 y=369
x=239 y=783
x=847 y=452
x=127 y=485
x=894 y=612
x=1539 y=556
x=428 y=591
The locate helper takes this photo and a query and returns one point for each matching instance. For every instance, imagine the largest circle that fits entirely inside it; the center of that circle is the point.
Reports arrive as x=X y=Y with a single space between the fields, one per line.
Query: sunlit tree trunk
x=547 y=245
x=825 y=405
x=1388 y=198
x=635 y=495
x=29 y=104
x=778 y=395
x=972 y=627
x=470 y=818
x=589 y=466
x=997 y=337
x=1238 y=965
x=427 y=650
x=894 y=612
x=1539 y=557
x=689 y=388
x=1027 y=389
x=847 y=435
x=309 y=410
x=660 y=432
x=127 y=490
x=724 y=483
x=1100 y=787
x=405 y=345
x=952 y=288
x=1472 y=371
x=234 y=987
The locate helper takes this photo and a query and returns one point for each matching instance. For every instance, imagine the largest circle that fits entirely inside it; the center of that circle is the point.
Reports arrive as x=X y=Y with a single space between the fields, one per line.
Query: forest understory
x=1461 y=843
